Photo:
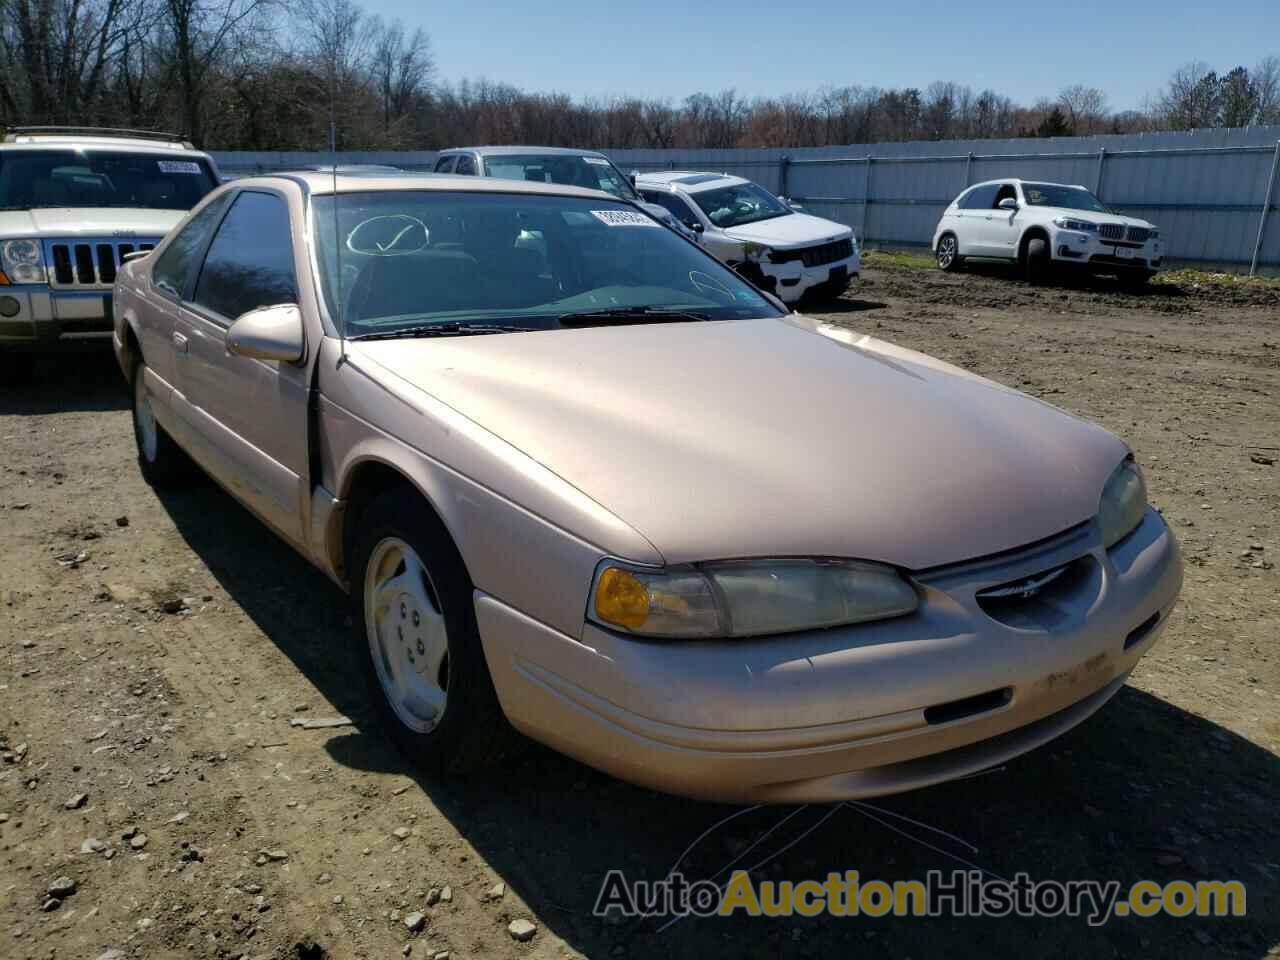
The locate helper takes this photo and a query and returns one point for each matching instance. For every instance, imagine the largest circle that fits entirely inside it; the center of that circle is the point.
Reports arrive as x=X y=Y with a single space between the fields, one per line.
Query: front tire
x=162 y=462
x=1037 y=260
x=424 y=665
x=948 y=254
x=1135 y=280
x=16 y=369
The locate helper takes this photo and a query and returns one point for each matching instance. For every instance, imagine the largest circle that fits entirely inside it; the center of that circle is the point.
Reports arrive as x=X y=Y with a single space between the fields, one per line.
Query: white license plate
x=1124 y=253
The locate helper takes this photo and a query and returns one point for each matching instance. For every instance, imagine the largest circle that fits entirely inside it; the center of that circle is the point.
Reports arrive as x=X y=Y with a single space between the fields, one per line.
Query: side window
x=444 y=165
x=679 y=209
x=177 y=264
x=466 y=165
x=980 y=198
x=1006 y=190
x=250 y=262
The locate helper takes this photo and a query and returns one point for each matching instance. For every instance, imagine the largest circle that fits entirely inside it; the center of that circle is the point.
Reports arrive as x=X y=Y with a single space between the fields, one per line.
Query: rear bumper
x=52 y=320
x=846 y=713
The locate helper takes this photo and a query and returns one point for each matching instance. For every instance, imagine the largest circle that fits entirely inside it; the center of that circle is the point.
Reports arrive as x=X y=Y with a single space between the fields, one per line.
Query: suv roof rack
x=11 y=133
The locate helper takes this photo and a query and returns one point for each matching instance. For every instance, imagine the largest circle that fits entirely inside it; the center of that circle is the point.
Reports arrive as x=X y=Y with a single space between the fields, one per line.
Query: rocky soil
x=187 y=769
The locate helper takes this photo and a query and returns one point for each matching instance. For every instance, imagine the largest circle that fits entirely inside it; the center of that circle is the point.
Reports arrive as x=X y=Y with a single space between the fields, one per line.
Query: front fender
x=526 y=536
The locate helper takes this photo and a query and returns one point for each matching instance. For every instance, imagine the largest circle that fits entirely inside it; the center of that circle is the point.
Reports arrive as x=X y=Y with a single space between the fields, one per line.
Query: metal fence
x=1213 y=193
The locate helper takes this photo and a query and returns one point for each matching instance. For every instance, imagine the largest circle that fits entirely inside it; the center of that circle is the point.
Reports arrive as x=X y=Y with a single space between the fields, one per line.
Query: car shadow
x=1143 y=790
x=839 y=305
x=1072 y=279
x=75 y=381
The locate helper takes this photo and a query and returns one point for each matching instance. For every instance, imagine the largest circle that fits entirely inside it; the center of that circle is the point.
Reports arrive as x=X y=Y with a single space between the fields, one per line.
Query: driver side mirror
x=269 y=333
x=1008 y=203
x=696 y=227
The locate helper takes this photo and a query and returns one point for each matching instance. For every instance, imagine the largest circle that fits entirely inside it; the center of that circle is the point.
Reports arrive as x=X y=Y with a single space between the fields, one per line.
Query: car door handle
x=179 y=343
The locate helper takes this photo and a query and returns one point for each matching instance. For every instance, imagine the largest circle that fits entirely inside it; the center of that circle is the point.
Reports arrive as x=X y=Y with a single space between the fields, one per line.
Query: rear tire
x=414 y=610
x=1037 y=260
x=162 y=462
x=948 y=254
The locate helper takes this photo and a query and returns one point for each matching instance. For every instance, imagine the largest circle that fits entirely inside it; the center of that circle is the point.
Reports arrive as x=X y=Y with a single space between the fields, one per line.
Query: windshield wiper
x=452 y=328
x=585 y=318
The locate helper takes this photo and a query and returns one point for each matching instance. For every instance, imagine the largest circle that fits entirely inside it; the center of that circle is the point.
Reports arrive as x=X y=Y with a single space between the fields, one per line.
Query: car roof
x=689 y=181
x=35 y=137
x=511 y=151
x=319 y=184
x=1020 y=180
x=116 y=144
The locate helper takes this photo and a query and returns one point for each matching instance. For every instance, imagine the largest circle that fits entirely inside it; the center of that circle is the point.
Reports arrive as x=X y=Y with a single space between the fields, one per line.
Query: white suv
x=1042 y=225
x=74 y=203
x=764 y=238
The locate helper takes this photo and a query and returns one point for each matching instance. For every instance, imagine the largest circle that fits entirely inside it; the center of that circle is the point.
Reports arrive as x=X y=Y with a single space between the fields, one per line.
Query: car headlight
x=755 y=251
x=1154 y=233
x=22 y=261
x=746 y=598
x=1070 y=223
x=1124 y=503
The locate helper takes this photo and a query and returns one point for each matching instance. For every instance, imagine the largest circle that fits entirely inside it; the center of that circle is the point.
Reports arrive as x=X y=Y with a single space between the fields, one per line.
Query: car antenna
x=337 y=228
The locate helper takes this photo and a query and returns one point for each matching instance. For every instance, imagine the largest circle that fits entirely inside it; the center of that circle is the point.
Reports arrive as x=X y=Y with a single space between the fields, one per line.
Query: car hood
x=775 y=437
x=1098 y=217
x=88 y=222
x=792 y=230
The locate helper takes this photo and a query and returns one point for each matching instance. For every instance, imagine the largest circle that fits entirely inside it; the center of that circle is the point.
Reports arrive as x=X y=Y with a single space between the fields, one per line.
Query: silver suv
x=563 y=165
x=75 y=203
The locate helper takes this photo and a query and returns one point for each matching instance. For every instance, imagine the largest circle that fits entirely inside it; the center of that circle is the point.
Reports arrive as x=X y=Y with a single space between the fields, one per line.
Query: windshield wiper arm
x=583 y=318
x=451 y=328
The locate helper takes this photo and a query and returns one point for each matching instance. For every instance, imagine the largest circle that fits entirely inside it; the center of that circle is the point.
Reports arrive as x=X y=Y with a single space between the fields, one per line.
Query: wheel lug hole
x=403 y=611
x=417 y=619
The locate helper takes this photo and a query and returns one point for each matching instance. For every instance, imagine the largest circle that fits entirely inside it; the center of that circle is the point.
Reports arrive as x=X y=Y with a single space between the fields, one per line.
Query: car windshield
x=594 y=173
x=1056 y=195
x=100 y=178
x=739 y=204
x=401 y=260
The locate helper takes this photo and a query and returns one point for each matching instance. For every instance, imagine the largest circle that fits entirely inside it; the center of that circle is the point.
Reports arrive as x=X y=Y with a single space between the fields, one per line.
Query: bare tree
x=1266 y=85
x=55 y=55
x=938 y=118
x=1192 y=97
x=255 y=74
x=402 y=67
x=1085 y=109
x=1237 y=99
x=201 y=31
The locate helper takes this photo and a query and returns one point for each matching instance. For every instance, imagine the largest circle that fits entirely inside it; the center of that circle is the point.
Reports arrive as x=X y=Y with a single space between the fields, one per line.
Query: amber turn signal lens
x=4 y=279
x=622 y=599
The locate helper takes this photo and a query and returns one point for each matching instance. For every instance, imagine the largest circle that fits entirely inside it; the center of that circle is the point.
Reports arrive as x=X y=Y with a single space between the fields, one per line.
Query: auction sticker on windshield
x=624 y=218
x=179 y=166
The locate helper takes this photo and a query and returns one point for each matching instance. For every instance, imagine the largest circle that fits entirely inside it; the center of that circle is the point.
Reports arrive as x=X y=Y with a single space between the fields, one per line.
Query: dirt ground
x=156 y=652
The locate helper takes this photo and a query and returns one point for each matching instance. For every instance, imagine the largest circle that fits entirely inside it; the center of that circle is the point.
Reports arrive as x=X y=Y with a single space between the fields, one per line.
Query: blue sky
x=668 y=49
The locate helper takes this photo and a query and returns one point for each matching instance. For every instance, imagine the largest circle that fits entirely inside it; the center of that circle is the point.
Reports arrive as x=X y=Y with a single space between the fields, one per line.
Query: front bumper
x=48 y=319
x=1090 y=250
x=852 y=712
x=791 y=281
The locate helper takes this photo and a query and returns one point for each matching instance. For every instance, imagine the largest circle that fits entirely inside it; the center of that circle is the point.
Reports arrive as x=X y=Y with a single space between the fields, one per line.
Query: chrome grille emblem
x=1026 y=588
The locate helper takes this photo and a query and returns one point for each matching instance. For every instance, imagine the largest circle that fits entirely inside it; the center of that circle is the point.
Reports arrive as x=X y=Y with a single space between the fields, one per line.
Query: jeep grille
x=89 y=263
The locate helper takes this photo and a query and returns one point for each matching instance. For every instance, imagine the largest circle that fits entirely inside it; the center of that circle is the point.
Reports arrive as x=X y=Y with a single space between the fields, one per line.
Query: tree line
x=262 y=75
